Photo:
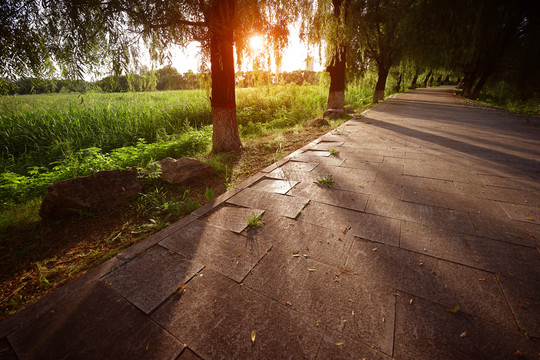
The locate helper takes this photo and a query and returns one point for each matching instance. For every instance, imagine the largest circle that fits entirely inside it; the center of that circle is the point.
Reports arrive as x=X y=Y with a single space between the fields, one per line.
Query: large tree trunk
x=225 y=136
x=425 y=82
x=414 y=80
x=479 y=85
x=336 y=69
x=378 y=95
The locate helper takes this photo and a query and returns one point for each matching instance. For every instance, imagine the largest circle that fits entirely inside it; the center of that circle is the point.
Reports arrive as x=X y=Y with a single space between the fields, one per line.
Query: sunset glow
x=256 y=43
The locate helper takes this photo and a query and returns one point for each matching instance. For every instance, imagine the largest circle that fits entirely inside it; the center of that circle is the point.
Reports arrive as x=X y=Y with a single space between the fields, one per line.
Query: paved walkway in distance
x=425 y=247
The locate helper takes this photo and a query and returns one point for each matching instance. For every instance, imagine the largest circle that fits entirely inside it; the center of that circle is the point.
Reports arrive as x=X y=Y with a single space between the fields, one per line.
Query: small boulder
x=100 y=191
x=316 y=122
x=333 y=113
x=184 y=170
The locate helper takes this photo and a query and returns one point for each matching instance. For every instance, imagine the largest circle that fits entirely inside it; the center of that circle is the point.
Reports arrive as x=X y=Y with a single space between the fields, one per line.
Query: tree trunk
x=225 y=136
x=447 y=80
x=398 y=84
x=378 y=95
x=479 y=85
x=414 y=80
x=425 y=82
x=336 y=69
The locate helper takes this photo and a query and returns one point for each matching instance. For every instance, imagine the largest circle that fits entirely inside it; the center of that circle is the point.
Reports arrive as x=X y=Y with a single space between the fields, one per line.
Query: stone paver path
x=425 y=247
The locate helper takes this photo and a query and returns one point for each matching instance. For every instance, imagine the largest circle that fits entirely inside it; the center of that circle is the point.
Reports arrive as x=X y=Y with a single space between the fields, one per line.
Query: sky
x=294 y=57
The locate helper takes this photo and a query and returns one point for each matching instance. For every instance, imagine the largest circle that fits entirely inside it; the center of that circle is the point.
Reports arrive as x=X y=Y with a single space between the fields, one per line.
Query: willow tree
x=379 y=26
x=76 y=37
x=327 y=23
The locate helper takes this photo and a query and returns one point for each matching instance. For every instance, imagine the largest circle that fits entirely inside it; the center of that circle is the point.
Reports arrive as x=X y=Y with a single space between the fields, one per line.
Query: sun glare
x=256 y=42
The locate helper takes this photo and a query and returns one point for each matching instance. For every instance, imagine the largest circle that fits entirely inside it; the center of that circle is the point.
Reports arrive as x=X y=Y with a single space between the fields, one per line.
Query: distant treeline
x=166 y=78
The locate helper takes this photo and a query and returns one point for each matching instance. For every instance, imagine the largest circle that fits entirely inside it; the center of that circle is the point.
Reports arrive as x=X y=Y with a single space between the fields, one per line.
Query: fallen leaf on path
x=253 y=335
x=339 y=343
x=463 y=334
x=454 y=310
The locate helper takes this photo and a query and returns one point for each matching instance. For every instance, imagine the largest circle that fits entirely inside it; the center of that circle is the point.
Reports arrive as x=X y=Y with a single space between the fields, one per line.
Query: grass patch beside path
x=39 y=256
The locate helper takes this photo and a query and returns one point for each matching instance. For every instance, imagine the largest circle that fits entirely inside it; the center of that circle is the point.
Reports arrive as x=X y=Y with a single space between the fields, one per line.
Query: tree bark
x=225 y=135
x=479 y=85
x=378 y=95
x=414 y=80
x=336 y=69
x=425 y=82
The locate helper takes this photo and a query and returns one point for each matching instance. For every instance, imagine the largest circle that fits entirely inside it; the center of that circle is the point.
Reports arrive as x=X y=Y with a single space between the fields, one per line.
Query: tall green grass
x=50 y=137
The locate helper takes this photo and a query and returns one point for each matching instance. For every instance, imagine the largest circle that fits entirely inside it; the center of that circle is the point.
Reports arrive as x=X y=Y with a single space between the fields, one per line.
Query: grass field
x=52 y=137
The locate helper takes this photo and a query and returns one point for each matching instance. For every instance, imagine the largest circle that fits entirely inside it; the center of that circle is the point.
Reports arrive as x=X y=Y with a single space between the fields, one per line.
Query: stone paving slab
x=430 y=184
x=444 y=282
x=299 y=166
x=232 y=254
x=450 y=201
x=367 y=226
x=332 y=295
x=301 y=239
x=505 y=229
x=425 y=330
x=216 y=317
x=150 y=278
x=423 y=214
x=524 y=299
x=231 y=217
x=336 y=345
x=275 y=186
x=280 y=204
x=346 y=199
x=522 y=212
x=328 y=161
x=524 y=197
x=92 y=324
x=499 y=257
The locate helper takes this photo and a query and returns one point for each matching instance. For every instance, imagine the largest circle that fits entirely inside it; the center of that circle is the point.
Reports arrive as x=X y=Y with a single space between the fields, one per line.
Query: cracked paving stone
x=150 y=278
x=281 y=204
x=215 y=317
x=331 y=294
x=275 y=186
x=367 y=226
x=499 y=257
x=429 y=331
x=91 y=324
x=230 y=253
x=231 y=217
x=477 y=292
x=346 y=199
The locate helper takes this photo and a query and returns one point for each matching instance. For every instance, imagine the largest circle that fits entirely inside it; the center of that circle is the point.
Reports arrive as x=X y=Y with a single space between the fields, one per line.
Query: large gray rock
x=184 y=170
x=333 y=113
x=100 y=191
x=317 y=122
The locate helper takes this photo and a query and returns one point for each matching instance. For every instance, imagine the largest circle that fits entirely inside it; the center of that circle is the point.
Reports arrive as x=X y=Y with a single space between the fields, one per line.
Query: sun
x=256 y=42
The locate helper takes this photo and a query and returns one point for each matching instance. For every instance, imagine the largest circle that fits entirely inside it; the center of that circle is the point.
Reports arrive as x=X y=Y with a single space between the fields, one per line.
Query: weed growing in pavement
x=326 y=181
x=253 y=220
x=333 y=151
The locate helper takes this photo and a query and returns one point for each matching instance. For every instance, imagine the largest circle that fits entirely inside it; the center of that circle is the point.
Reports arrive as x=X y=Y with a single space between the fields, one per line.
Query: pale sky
x=294 y=57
